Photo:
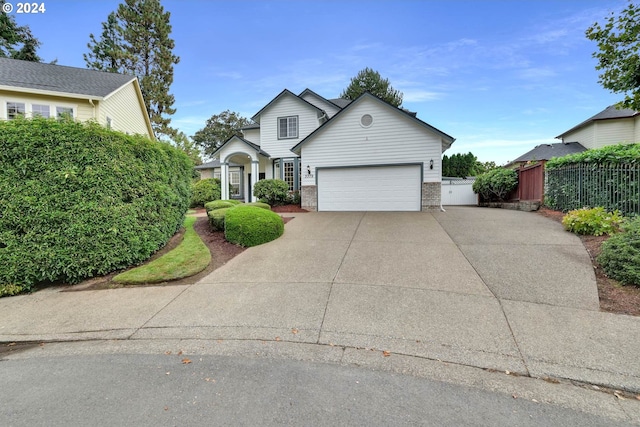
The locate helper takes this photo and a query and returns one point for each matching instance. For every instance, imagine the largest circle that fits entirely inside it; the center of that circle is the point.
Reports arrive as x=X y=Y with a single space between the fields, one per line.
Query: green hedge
x=220 y=204
x=216 y=218
x=203 y=191
x=273 y=191
x=620 y=255
x=78 y=200
x=251 y=226
x=496 y=184
x=259 y=205
x=611 y=154
x=594 y=221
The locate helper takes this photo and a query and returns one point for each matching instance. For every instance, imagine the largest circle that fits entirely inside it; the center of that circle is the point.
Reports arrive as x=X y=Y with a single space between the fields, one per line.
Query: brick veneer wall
x=309 y=197
x=431 y=196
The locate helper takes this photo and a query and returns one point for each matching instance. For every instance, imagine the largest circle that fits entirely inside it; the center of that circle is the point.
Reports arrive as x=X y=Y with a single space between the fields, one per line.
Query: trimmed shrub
x=10 y=290
x=219 y=204
x=259 y=205
x=620 y=256
x=205 y=190
x=251 y=226
x=594 y=221
x=216 y=218
x=78 y=200
x=495 y=185
x=274 y=192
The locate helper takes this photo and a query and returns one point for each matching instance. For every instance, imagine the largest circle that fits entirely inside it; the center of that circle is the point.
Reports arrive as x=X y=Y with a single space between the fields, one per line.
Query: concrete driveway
x=489 y=288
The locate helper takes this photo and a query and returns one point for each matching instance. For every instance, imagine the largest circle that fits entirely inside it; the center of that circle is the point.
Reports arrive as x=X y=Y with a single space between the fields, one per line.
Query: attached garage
x=370 y=188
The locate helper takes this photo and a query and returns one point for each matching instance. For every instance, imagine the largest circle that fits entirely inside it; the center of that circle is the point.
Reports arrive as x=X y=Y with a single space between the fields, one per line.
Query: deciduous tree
x=218 y=129
x=618 y=54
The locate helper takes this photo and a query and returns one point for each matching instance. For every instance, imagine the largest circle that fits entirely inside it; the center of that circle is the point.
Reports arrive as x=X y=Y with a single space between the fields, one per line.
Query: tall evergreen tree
x=138 y=42
x=108 y=53
x=16 y=41
x=371 y=81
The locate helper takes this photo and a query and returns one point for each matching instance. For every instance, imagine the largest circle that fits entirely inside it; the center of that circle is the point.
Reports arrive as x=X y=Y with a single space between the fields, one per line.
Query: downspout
x=94 y=108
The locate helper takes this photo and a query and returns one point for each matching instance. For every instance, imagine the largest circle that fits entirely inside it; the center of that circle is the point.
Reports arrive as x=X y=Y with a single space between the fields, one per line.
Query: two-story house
x=610 y=126
x=32 y=89
x=360 y=155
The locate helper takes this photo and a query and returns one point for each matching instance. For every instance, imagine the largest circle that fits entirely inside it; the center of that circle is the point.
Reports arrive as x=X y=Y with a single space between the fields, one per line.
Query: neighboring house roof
x=447 y=138
x=330 y=101
x=214 y=164
x=609 y=113
x=249 y=143
x=340 y=102
x=286 y=92
x=549 y=151
x=49 y=78
x=251 y=126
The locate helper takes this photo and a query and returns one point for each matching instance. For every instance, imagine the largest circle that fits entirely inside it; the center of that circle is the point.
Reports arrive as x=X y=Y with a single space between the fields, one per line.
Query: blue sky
x=499 y=76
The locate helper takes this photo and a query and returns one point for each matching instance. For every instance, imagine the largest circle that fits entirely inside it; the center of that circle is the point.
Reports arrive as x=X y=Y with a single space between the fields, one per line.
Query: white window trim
x=28 y=111
x=297 y=127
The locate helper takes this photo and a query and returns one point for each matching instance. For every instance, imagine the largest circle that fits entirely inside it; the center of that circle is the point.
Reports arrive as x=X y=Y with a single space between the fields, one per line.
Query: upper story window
x=287 y=127
x=40 y=110
x=15 y=109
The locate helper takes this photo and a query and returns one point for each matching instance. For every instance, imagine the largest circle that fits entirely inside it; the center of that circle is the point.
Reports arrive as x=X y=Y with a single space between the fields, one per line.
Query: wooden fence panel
x=531 y=182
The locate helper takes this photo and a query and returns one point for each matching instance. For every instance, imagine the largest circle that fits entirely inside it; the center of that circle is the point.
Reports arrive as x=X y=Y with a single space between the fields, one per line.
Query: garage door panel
x=388 y=188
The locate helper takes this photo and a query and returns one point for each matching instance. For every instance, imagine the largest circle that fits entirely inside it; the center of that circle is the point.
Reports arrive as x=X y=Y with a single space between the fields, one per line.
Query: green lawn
x=187 y=259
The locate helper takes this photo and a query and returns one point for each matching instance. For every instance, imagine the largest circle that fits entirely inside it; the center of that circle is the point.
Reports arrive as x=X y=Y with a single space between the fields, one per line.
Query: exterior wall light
x=431 y=164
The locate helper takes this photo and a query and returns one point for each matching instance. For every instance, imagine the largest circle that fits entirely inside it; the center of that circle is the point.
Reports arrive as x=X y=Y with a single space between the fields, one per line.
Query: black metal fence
x=612 y=186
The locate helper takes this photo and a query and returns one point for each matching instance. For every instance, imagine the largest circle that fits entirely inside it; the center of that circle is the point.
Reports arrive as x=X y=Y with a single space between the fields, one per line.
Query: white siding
x=252 y=135
x=328 y=107
x=125 y=110
x=236 y=146
x=283 y=107
x=393 y=138
x=583 y=135
x=610 y=132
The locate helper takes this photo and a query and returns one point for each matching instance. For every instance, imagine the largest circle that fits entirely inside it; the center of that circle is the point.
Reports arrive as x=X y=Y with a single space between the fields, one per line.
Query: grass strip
x=190 y=257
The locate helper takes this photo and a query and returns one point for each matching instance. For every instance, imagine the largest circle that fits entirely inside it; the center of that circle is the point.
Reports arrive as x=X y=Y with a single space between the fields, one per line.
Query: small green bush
x=216 y=218
x=10 y=290
x=251 y=226
x=620 y=256
x=205 y=190
x=496 y=184
x=219 y=204
x=259 y=205
x=594 y=221
x=275 y=192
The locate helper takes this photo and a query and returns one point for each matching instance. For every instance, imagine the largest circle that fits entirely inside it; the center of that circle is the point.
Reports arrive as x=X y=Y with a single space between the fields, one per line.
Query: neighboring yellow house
x=113 y=100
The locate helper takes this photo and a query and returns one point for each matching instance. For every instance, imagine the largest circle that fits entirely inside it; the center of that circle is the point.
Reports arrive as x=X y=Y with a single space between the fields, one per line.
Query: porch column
x=255 y=172
x=224 y=181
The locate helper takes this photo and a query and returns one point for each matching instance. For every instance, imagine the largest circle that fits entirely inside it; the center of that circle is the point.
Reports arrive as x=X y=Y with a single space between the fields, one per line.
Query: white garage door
x=375 y=188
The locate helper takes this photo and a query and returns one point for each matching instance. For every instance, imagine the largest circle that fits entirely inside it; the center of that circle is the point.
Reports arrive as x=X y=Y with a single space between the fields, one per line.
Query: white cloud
x=417 y=95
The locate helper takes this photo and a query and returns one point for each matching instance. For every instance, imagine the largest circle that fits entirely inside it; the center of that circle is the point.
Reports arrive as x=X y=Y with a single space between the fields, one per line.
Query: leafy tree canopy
x=136 y=40
x=182 y=142
x=218 y=129
x=461 y=165
x=618 y=54
x=371 y=81
x=16 y=41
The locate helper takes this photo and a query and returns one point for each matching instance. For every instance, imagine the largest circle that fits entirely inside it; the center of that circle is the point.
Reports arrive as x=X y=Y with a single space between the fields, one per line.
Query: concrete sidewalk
x=487 y=288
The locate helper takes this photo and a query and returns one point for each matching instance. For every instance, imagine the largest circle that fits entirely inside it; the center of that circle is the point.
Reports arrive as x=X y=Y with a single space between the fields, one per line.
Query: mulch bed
x=614 y=298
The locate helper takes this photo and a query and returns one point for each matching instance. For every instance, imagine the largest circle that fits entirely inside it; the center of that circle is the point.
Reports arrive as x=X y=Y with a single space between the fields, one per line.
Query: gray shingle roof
x=611 y=112
x=58 y=78
x=548 y=151
x=341 y=102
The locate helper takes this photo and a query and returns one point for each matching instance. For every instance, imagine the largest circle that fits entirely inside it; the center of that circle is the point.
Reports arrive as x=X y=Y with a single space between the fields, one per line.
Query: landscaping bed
x=614 y=298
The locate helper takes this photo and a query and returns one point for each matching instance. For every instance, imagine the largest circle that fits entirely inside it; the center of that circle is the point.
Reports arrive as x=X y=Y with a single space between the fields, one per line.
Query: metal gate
x=458 y=191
